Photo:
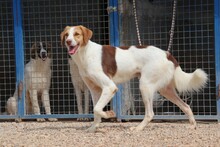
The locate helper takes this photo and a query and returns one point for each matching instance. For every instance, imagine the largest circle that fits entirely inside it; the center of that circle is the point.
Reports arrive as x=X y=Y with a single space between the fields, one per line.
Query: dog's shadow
x=77 y=127
x=80 y=127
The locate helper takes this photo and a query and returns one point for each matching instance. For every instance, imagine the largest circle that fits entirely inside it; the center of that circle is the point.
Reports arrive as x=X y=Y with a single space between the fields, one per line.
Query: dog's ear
x=33 y=52
x=49 y=49
x=63 y=35
x=87 y=34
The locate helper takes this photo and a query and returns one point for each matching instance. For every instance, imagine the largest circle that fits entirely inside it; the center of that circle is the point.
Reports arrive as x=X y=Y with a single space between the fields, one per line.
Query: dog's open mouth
x=73 y=49
x=43 y=55
x=45 y=58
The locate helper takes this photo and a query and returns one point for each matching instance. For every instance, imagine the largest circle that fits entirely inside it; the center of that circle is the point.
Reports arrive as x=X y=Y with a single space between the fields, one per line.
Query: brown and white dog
x=103 y=66
x=37 y=76
x=80 y=88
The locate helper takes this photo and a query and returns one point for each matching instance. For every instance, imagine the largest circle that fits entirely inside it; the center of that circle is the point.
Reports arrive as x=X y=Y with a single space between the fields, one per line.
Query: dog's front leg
x=86 y=95
x=79 y=100
x=35 y=105
x=96 y=93
x=46 y=103
x=107 y=94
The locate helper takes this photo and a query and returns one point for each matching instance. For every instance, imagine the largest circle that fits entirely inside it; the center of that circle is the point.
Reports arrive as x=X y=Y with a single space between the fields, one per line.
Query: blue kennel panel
x=217 y=54
x=7 y=55
x=195 y=45
x=44 y=20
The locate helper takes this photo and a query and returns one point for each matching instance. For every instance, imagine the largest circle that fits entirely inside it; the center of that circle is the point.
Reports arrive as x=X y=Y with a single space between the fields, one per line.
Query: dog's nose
x=68 y=42
x=43 y=54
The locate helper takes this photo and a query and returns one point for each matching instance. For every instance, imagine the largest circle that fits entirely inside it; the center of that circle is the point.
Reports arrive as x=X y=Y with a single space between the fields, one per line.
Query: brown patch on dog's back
x=141 y=46
x=172 y=59
x=124 y=47
x=108 y=60
x=137 y=46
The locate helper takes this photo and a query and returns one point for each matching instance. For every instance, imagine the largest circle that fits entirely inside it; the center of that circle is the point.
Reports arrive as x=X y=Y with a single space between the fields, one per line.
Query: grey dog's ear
x=33 y=51
x=49 y=49
x=64 y=34
x=87 y=34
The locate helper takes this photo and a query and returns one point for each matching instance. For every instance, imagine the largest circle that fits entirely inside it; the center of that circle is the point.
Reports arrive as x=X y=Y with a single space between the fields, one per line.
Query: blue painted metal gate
x=195 y=45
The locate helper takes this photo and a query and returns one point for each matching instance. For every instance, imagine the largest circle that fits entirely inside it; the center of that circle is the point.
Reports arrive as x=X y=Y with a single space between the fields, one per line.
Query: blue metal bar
x=114 y=40
x=116 y=23
x=116 y=43
x=58 y=116
x=217 y=53
x=111 y=23
x=8 y=116
x=171 y=117
x=19 y=52
x=111 y=40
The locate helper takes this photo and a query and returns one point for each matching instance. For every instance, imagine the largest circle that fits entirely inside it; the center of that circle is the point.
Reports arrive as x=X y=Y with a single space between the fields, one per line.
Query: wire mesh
x=193 y=46
x=43 y=21
x=7 y=58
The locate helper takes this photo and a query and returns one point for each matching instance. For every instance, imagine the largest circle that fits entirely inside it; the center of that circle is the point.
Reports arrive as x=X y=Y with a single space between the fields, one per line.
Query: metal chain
x=172 y=26
x=136 y=22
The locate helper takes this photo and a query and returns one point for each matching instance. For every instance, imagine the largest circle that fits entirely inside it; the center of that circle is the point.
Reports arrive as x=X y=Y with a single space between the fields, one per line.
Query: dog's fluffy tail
x=12 y=106
x=187 y=82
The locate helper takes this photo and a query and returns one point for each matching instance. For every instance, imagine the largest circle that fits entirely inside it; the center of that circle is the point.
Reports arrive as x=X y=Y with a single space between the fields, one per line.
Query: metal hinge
x=20 y=89
x=111 y=9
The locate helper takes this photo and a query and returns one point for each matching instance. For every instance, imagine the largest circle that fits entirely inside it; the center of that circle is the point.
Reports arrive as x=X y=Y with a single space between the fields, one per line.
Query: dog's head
x=41 y=50
x=75 y=37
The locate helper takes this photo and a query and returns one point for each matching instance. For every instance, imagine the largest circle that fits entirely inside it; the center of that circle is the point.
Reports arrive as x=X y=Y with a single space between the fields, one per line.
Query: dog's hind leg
x=147 y=92
x=170 y=93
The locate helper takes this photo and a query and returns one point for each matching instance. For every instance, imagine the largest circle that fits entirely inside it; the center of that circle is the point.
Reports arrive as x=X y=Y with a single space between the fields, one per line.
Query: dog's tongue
x=73 y=50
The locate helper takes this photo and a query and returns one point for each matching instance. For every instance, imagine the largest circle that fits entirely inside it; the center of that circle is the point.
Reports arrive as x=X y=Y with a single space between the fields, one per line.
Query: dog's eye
x=66 y=35
x=76 y=34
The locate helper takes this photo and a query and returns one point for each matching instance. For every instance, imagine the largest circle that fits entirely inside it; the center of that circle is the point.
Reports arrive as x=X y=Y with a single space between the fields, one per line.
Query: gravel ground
x=111 y=134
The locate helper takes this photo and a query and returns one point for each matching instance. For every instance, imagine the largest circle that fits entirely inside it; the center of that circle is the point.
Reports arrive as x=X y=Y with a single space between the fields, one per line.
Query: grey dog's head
x=41 y=50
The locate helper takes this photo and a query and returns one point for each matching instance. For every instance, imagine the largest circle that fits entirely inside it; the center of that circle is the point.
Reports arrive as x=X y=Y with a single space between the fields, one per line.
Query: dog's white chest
x=37 y=77
x=38 y=80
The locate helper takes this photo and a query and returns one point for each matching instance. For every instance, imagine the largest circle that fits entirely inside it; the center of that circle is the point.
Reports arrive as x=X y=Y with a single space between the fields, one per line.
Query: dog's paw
x=193 y=125
x=83 y=119
x=132 y=128
x=136 y=129
x=110 y=114
x=40 y=119
x=18 y=120
x=52 y=119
